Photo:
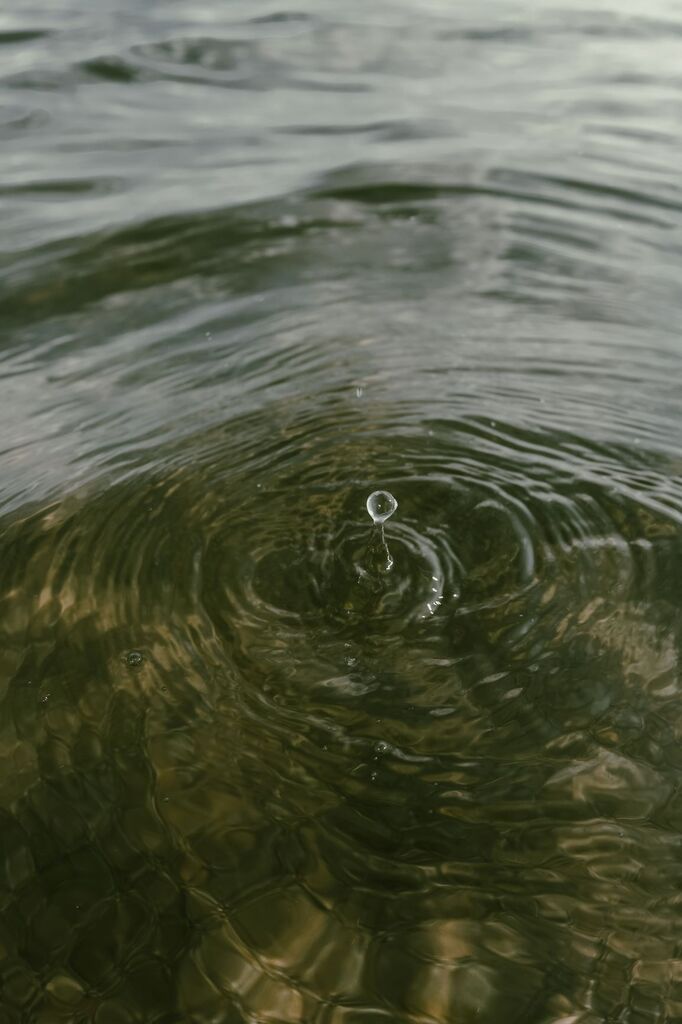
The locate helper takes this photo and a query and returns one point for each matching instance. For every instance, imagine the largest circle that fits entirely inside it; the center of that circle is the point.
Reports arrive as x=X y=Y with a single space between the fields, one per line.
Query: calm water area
x=260 y=761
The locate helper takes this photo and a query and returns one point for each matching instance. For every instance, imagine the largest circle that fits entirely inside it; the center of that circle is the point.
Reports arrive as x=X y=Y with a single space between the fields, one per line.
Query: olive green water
x=256 y=262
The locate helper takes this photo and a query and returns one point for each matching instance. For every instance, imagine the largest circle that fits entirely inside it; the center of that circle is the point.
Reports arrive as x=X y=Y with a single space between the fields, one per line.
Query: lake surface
x=255 y=263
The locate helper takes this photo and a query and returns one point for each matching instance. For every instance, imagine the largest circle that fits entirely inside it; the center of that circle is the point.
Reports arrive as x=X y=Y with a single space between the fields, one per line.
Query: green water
x=256 y=263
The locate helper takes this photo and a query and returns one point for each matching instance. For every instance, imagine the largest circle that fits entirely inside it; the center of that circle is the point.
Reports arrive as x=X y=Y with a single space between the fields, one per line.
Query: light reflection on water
x=256 y=264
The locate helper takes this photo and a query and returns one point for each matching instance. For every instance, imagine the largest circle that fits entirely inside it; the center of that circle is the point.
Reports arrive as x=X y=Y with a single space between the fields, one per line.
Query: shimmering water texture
x=265 y=757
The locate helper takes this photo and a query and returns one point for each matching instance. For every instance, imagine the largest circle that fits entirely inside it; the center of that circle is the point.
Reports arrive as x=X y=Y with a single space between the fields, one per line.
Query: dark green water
x=256 y=262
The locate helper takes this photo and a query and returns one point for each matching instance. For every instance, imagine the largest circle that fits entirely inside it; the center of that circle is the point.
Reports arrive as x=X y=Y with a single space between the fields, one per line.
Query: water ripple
x=262 y=762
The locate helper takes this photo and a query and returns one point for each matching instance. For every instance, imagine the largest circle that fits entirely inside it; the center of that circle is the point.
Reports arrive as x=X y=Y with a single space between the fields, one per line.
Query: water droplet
x=134 y=658
x=359 y=392
x=381 y=505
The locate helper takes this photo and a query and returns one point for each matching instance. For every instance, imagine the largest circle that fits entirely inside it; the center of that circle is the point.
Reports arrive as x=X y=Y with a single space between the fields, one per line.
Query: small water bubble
x=373 y=777
x=359 y=392
x=381 y=505
x=45 y=698
x=381 y=747
x=134 y=658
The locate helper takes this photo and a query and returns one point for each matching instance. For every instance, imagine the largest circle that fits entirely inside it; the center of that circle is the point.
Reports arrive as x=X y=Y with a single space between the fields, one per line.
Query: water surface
x=256 y=263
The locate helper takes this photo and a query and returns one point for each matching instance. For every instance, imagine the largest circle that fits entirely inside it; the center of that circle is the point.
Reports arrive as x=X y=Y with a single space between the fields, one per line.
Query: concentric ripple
x=322 y=708
x=347 y=574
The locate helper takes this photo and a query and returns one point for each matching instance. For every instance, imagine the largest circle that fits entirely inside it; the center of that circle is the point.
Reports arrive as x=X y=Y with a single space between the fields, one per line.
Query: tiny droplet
x=381 y=505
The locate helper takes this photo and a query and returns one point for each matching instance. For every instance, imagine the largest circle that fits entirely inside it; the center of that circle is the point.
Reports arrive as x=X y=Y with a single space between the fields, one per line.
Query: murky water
x=261 y=761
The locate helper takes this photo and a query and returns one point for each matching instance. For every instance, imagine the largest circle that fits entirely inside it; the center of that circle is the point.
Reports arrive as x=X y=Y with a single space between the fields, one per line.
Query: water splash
x=381 y=505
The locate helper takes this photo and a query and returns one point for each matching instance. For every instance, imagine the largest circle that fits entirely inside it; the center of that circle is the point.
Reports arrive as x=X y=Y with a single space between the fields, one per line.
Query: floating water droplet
x=381 y=505
x=134 y=658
